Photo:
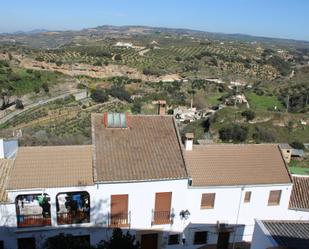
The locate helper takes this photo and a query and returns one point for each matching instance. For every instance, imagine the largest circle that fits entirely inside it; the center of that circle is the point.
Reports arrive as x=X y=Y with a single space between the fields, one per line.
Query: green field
x=263 y=102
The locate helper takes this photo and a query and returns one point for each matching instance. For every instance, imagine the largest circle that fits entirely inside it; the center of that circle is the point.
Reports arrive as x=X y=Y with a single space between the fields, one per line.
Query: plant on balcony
x=119 y=240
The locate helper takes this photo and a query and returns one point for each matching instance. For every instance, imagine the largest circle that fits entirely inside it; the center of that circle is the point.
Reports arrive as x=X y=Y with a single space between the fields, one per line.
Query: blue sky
x=273 y=18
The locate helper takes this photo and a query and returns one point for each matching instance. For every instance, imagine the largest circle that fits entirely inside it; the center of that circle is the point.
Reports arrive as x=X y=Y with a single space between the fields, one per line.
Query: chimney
x=161 y=107
x=189 y=141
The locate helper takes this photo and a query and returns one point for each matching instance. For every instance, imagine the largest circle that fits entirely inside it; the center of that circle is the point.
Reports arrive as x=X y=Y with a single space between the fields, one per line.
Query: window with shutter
x=208 y=201
x=119 y=211
x=274 y=197
x=162 y=212
x=247 y=196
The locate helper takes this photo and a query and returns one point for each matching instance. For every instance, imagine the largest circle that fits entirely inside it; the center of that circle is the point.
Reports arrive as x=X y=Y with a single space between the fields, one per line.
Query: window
x=119 y=211
x=208 y=201
x=162 y=211
x=26 y=243
x=274 y=197
x=247 y=196
x=173 y=239
x=1 y=244
x=200 y=238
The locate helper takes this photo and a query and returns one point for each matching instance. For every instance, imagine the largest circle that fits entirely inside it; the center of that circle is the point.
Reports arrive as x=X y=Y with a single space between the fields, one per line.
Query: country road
x=40 y=102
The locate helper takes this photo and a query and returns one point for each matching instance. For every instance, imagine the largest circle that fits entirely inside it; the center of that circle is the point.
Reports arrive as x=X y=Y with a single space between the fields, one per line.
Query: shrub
x=19 y=104
x=263 y=135
x=120 y=93
x=66 y=241
x=45 y=87
x=99 y=95
x=137 y=107
x=98 y=63
x=235 y=132
x=297 y=145
x=118 y=57
x=248 y=114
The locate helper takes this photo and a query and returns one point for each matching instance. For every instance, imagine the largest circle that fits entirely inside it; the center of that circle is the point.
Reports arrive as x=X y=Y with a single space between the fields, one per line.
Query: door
x=119 y=210
x=26 y=243
x=149 y=241
x=223 y=240
x=162 y=213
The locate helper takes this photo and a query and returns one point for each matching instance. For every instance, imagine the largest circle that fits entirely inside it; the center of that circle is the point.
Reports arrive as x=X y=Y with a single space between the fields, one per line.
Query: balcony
x=73 y=218
x=33 y=210
x=119 y=220
x=36 y=220
x=162 y=217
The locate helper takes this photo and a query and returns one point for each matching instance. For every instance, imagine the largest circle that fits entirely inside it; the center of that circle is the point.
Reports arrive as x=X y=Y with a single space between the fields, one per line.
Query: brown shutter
x=162 y=208
x=119 y=209
x=208 y=201
x=247 y=196
x=274 y=197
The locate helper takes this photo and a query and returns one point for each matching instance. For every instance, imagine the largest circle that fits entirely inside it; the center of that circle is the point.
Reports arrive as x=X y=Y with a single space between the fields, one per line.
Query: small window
x=274 y=197
x=208 y=201
x=247 y=196
x=200 y=238
x=173 y=239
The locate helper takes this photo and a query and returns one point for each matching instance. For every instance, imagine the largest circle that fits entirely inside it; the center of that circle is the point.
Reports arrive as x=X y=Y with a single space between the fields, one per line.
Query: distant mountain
x=37 y=38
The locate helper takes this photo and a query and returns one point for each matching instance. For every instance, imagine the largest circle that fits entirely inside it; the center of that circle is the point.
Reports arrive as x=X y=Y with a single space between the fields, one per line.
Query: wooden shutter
x=274 y=197
x=208 y=201
x=119 y=209
x=247 y=196
x=162 y=208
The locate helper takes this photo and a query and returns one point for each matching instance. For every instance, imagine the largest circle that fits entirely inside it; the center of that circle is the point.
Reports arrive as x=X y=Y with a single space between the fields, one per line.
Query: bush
x=263 y=135
x=99 y=95
x=59 y=63
x=19 y=104
x=66 y=241
x=45 y=87
x=297 y=145
x=137 y=107
x=98 y=63
x=120 y=93
x=248 y=114
x=235 y=132
x=119 y=241
x=118 y=57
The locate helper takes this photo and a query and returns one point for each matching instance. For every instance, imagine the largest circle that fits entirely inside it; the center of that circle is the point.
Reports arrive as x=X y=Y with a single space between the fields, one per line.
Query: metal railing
x=37 y=220
x=162 y=217
x=77 y=217
x=119 y=220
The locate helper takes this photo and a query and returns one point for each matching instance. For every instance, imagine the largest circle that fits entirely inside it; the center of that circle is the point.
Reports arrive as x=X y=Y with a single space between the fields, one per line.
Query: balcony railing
x=162 y=217
x=37 y=220
x=73 y=218
x=119 y=220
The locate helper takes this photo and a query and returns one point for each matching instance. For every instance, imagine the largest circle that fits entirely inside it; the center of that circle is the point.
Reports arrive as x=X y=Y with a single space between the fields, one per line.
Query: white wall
x=142 y=202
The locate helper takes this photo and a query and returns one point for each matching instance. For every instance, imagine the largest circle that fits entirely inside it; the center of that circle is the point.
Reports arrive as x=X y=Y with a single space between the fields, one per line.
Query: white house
x=138 y=175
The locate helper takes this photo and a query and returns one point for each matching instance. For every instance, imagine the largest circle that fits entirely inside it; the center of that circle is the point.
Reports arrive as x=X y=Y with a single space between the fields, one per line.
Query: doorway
x=149 y=241
x=223 y=240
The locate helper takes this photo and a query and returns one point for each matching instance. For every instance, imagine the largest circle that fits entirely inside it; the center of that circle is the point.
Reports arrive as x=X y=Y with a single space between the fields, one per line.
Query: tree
x=19 y=104
x=118 y=57
x=137 y=107
x=119 y=241
x=45 y=87
x=248 y=114
x=98 y=63
x=263 y=135
x=66 y=241
x=99 y=95
x=236 y=133
x=120 y=93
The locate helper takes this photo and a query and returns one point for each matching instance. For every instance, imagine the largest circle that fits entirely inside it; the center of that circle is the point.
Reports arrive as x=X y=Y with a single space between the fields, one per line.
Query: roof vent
x=115 y=120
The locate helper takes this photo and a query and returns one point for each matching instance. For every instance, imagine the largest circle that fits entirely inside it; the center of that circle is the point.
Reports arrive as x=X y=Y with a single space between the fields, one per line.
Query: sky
x=270 y=18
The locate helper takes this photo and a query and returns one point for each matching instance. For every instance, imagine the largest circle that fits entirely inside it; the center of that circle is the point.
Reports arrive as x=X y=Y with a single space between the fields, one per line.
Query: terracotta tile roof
x=300 y=193
x=236 y=164
x=148 y=150
x=51 y=166
x=5 y=169
x=289 y=234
